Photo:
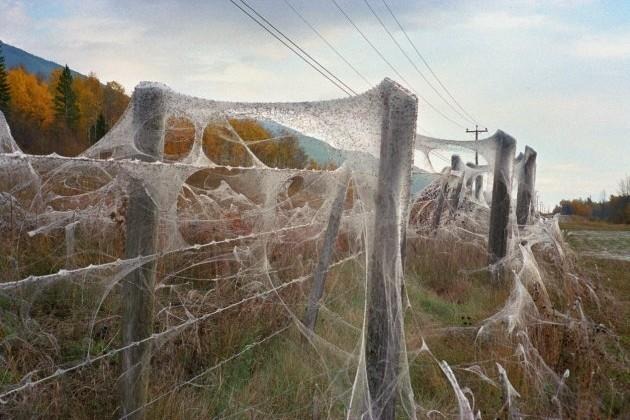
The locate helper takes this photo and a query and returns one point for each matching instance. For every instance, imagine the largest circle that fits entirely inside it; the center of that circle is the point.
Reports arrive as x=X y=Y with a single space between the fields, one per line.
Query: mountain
x=15 y=57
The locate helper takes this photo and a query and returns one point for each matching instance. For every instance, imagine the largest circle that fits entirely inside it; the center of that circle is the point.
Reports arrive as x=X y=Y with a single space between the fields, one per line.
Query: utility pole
x=477 y=131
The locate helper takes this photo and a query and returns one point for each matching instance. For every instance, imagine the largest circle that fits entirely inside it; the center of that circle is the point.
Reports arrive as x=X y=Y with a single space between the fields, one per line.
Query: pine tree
x=5 y=93
x=101 y=126
x=99 y=129
x=66 y=108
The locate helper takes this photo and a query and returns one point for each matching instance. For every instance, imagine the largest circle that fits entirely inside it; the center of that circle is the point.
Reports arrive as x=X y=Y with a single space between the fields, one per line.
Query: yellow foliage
x=115 y=102
x=222 y=145
x=179 y=138
x=90 y=100
x=30 y=97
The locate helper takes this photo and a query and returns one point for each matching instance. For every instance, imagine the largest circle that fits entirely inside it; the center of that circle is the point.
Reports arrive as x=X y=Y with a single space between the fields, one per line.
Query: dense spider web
x=238 y=242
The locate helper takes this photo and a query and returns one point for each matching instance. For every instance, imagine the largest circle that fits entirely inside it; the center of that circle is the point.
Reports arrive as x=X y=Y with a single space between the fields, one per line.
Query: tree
x=89 y=99
x=99 y=129
x=115 y=102
x=5 y=92
x=66 y=107
x=31 y=110
x=624 y=186
x=221 y=143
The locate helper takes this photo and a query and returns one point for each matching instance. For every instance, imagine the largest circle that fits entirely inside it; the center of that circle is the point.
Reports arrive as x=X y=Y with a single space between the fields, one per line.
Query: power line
x=340 y=9
x=391 y=36
x=339 y=84
x=413 y=45
x=358 y=73
x=298 y=47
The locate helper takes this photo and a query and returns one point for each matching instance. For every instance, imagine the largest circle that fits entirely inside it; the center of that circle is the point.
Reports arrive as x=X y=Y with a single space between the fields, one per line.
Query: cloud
x=13 y=18
x=560 y=181
x=605 y=46
x=502 y=20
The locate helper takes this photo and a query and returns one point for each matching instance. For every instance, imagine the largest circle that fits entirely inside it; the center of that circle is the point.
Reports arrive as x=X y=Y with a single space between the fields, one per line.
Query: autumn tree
x=65 y=102
x=115 y=102
x=227 y=144
x=5 y=90
x=89 y=100
x=32 y=110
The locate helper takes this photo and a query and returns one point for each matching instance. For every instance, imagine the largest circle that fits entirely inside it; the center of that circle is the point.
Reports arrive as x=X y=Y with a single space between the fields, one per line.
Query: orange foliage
x=223 y=147
x=30 y=98
x=179 y=138
x=90 y=100
x=222 y=144
x=115 y=102
x=31 y=113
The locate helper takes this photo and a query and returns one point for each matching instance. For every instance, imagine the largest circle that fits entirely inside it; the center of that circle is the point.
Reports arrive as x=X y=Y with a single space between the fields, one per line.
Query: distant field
x=579 y=223
x=605 y=244
x=598 y=240
x=604 y=255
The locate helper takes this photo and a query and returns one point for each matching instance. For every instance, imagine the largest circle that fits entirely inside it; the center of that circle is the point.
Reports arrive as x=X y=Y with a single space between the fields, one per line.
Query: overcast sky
x=553 y=73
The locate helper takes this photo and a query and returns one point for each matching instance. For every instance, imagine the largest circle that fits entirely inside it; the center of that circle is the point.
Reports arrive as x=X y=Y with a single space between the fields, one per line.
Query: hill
x=15 y=57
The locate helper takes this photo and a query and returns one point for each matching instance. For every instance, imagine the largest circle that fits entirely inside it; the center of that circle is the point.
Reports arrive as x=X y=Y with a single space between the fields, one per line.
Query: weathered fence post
x=439 y=207
x=321 y=270
x=141 y=239
x=526 y=180
x=478 y=186
x=475 y=182
x=456 y=165
x=470 y=180
x=384 y=307
x=501 y=188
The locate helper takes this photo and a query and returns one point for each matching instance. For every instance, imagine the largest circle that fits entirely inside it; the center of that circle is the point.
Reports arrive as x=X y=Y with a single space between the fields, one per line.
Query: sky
x=555 y=74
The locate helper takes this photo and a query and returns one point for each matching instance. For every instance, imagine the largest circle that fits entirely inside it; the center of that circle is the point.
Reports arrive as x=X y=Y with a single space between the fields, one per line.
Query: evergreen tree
x=99 y=129
x=5 y=93
x=65 y=102
x=101 y=126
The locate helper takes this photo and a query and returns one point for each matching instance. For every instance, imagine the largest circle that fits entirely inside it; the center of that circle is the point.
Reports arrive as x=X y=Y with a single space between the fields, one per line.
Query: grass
x=572 y=223
x=447 y=286
x=612 y=279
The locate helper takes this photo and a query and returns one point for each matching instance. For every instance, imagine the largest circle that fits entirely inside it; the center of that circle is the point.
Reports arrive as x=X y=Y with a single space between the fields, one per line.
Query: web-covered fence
x=186 y=235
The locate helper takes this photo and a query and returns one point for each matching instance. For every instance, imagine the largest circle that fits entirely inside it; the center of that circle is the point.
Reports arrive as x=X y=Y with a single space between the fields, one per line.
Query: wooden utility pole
x=477 y=131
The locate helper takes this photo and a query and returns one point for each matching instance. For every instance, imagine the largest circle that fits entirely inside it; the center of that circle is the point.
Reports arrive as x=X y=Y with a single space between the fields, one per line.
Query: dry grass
x=449 y=291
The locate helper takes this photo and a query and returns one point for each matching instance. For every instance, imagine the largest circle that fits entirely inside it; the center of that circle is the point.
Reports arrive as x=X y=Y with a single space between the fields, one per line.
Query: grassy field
x=613 y=278
x=573 y=223
x=227 y=368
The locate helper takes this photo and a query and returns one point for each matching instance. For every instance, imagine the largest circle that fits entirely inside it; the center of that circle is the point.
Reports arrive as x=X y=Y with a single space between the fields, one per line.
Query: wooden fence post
x=478 y=186
x=330 y=237
x=439 y=207
x=141 y=239
x=475 y=182
x=456 y=165
x=383 y=342
x=501 y=188
x=526 y=179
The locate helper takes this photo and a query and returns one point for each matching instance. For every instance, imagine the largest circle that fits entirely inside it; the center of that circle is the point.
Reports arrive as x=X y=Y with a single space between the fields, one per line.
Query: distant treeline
x=63 y=113
x=614 y=210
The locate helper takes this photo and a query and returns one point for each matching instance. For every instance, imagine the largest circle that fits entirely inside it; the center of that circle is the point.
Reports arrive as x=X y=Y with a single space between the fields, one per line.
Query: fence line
x=384 y=336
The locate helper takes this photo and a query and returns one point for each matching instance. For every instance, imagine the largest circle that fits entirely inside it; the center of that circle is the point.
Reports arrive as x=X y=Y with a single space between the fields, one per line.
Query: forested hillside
x=63 y=112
